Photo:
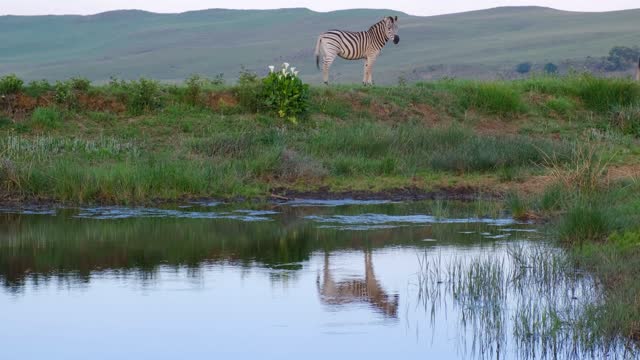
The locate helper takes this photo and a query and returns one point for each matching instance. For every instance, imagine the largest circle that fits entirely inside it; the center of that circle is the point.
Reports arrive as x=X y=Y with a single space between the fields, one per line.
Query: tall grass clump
x=561 y=106
x=293 y=166
x=10 y=84
x=519 y=207
x=47 y=117
x=627 y=119
x=493 y=98
x=584 y=222
x=601 y=95
x=585 y=170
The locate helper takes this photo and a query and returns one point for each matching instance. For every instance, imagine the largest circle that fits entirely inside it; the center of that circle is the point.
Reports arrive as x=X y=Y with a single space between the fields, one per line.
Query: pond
x=303 y=279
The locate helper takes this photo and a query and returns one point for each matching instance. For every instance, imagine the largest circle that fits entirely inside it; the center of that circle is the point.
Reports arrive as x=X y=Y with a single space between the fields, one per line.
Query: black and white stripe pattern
x=356 y=46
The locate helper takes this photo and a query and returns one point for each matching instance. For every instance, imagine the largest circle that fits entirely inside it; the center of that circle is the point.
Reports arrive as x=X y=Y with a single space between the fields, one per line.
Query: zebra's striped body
x=356 y=46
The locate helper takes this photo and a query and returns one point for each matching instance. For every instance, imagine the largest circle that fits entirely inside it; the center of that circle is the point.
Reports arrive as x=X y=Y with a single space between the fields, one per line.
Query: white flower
x=286 y=65
x=271 y=68
x=295 y=73
x=284 y=72
x=293 y=69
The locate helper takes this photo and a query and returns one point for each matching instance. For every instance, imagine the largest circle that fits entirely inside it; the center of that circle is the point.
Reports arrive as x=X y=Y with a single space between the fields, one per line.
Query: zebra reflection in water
x=367 y=290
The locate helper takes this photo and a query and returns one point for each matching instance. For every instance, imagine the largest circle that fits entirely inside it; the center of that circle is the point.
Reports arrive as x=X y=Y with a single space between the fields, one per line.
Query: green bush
x=285 y=94
x=248 y=90
x=80 y=84
x=194 y=90
x=524 y=68
x=142 y=96
x=64 y=94
x=217 y=80
x=38 y=88
x=47 y=117
x=10 y=84
x=550 y=68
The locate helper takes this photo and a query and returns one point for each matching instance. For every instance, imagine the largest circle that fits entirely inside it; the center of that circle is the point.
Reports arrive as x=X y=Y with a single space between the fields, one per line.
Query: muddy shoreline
x=279 y=195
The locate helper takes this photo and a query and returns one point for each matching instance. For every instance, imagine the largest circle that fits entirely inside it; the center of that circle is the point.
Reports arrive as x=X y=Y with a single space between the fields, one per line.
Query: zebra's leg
x=366 y=72
x=370 y=62
x=328 y=60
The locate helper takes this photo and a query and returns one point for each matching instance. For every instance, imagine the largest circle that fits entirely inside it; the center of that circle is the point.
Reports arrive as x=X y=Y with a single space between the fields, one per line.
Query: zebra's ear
x=396 y=18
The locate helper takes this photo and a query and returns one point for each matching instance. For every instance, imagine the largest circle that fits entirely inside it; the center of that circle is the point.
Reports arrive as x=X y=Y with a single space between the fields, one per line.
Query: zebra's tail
x=318 y=52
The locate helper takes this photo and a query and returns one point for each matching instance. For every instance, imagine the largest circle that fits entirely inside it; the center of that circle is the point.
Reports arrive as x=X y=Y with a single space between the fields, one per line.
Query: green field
x=130 y=44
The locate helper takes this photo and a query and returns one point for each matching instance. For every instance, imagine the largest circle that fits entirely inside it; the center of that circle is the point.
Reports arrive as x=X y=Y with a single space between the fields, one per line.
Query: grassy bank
x=131 y=142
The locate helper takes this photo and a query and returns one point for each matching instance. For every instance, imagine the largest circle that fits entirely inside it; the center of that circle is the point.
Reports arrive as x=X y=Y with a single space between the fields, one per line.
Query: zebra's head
x=391 y=25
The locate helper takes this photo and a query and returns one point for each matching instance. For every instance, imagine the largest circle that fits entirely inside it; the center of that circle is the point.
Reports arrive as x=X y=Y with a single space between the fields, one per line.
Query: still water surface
x=306 y=279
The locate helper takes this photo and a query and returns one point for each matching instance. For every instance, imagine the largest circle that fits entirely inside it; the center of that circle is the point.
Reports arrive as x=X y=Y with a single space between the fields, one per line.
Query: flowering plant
x=284 y=93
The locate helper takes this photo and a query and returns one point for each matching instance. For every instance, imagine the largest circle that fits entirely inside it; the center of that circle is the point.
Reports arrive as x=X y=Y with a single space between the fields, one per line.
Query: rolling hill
x=170 y=47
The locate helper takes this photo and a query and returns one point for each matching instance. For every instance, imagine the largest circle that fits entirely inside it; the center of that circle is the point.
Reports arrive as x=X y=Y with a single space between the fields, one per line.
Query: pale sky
x=414 y=7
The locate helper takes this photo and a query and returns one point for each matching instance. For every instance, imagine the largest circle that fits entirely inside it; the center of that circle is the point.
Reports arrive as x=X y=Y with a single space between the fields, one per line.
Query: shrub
x=621 y=58
x=550 y=68
x=46 y=117
x=64 y=94
x=10 y=84
x=38 y=88
x=248 y=90
x=194 y=90
x=284 y=93
x=217 y=80
x=143 y=96
x=80 y=84
x=523 y=68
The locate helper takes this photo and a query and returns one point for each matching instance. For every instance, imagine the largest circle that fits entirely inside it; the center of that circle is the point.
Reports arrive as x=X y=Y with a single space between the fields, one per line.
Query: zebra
x=356 y=46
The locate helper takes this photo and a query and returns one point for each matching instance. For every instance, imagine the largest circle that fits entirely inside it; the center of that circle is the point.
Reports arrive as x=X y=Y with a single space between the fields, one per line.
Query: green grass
x=493 y=98
x=46 y=118
x=421 y=135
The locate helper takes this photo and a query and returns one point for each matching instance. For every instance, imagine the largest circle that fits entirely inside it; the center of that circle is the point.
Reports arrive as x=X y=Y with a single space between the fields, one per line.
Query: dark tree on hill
x=622 y=58
x=523 y=68
x=551 y=68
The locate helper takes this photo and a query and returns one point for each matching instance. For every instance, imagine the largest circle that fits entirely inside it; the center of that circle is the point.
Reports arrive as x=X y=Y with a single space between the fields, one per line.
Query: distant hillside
x=130 y=44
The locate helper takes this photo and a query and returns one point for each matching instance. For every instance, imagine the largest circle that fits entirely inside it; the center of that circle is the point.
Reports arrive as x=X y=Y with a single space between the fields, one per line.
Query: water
x=306 y=279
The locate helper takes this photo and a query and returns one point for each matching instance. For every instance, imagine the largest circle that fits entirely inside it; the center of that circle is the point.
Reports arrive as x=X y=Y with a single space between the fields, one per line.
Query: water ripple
x=110 y=213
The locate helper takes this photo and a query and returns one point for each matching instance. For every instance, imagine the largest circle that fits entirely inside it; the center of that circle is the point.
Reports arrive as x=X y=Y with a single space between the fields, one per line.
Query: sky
x=414 y=7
